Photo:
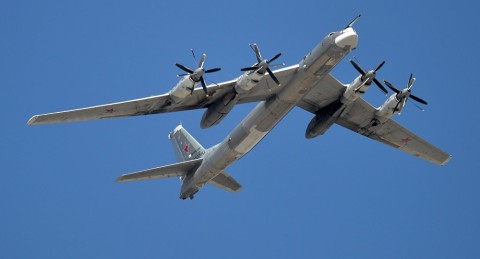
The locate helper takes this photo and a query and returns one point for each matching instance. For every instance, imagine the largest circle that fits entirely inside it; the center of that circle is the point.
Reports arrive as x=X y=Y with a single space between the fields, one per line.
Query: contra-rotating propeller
x=405 y=93
x=263 y=65
x=369 y=76
x=197 y=74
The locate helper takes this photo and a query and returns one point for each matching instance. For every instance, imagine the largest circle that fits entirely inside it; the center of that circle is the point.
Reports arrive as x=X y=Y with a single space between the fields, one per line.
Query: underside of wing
x=326 y=91
x=175 y=170
x=120 y=109
x=359 y=118
x=163 y=104
x=142 y=106
x=267 y=87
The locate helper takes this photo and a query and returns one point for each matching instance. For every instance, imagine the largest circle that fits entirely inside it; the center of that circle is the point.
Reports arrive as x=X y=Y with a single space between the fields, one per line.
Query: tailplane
x=190 y=156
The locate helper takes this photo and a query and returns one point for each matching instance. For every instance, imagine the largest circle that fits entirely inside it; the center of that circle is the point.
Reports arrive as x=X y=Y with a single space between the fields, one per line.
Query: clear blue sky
x=337 y=196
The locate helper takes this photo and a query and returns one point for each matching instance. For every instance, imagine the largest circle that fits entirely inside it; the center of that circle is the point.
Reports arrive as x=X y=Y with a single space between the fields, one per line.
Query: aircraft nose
x=348 y=38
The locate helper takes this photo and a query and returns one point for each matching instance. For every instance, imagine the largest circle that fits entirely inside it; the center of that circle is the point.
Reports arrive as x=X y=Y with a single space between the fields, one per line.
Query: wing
x=267 y=87
x=175 y=170
x=226 y=182
x=357 y=117
x=391 y=133
x=326 y=91
x=142 y=106
x=160 y=104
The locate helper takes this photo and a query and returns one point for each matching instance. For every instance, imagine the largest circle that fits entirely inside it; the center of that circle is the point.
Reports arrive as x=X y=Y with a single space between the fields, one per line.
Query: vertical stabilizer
x=185 y=146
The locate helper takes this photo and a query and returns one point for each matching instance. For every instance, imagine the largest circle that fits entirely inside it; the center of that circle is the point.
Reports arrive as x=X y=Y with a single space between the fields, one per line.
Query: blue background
x=337 y=196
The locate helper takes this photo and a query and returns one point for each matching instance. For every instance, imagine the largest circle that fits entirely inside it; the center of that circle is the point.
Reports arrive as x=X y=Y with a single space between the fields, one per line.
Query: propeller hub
x=368 y=77
x=263 y=67
x=197 y=74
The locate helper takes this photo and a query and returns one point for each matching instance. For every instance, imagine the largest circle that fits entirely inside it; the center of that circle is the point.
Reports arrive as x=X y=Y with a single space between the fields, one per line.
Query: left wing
x=159 y=104
x=142 y=106
x=357 y=117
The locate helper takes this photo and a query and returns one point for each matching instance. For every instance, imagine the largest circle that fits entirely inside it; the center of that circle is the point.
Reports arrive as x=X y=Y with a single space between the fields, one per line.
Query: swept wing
x=358 y=115
x=160 y=103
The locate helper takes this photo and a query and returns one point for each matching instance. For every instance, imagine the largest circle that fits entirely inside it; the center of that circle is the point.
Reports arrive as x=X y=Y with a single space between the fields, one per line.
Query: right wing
x=391 y=133
x=226 y=182
x=160 y=103
x=358 y=116
x=175 y=170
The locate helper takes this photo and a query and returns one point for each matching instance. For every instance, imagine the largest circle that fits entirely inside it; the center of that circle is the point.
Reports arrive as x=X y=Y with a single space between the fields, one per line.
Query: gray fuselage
x=261 y=120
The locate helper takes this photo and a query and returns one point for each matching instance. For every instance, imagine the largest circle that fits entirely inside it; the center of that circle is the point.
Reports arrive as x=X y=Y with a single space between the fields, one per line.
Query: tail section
x=185 y=146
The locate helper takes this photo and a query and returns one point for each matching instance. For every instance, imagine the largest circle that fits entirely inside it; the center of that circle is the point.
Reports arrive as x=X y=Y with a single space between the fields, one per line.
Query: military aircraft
x=308 y=85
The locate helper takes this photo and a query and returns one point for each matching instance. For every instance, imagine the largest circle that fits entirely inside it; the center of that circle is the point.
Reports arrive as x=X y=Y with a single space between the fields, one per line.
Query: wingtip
x=32 y=120
x=446 y=161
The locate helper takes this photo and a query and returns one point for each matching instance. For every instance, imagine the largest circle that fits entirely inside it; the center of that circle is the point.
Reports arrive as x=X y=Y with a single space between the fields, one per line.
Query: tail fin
x=185 y=146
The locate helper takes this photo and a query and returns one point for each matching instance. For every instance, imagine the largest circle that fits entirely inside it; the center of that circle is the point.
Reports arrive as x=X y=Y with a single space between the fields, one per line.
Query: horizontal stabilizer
x=226 y=182
x=175 y=170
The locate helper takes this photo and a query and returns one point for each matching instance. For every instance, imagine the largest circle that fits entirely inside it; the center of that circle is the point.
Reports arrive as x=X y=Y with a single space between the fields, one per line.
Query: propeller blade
x=411 y=80
x=418 y=107
x=418 y=99
x=184 y=68
x=249 y=68
x=353 y=22
x=194 y=57
x=202 y=60
x=212 y=70
x=379 y=66
x=275 y=57
x=380 y=86
x=257 y=52
x=391 y=87
x=179 y=75
x=204 y=86
x=357 y=67
x=273 y=77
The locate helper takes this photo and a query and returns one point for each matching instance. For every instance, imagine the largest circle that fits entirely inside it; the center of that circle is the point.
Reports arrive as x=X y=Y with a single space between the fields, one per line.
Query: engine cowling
x=323 y=120
x=182 y=89
x=218 y=110
x=247 y=81
x=354 y=90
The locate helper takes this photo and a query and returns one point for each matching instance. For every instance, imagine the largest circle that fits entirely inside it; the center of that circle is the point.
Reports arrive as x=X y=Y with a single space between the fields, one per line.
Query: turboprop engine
x=189 y=80
x=219 y=109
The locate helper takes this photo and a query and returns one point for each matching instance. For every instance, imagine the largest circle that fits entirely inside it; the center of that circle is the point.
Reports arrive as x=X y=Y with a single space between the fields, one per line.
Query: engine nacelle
x=354 y=91
x=218 y=110
x=323 y=120
x=247 y=81
x=182 y=89
x=390 y=107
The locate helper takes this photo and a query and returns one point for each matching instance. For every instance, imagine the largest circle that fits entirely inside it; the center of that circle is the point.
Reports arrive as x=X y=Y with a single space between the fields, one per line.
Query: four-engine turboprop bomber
x=308 y=85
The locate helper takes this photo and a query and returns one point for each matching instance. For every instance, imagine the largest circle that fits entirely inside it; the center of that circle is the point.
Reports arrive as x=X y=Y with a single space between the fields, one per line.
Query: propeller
x=407 y=91
x=263 y=65
x=353 y=22
x=197 y=74
x=369 y=76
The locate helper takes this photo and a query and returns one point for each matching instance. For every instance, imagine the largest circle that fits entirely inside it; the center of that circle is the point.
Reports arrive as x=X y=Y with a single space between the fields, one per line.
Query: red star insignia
x=185 y=149
x=406 y=140
x=109 y=110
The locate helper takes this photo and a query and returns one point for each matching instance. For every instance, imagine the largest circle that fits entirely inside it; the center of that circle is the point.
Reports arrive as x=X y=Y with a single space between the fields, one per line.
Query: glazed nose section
x=348 y=37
